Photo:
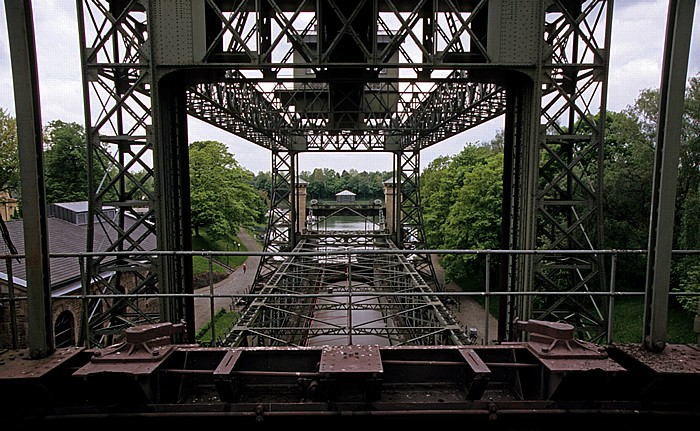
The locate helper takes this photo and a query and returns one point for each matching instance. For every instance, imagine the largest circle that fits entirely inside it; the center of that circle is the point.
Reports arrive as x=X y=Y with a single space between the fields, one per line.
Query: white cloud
x=633 y=76
x=637 y=47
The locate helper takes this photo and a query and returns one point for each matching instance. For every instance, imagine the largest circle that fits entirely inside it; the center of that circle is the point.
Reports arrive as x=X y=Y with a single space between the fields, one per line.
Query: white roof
x=345 y=193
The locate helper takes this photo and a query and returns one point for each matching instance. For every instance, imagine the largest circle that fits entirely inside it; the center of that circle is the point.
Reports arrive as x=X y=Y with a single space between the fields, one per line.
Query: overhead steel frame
x=332 y=289
x=358 y=91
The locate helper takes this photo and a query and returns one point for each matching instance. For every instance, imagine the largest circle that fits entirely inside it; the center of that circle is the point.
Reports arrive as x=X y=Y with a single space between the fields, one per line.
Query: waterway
x=345 y=223
x=338 y=313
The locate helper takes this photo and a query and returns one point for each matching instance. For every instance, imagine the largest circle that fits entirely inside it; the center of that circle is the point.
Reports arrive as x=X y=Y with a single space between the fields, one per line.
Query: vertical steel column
x=171 y=159
x=281 y=221
x=675 y=68
x=509 y=210
x=571 y=83
x=526 y=162
x=116 y=75
x=20 y=29
x=410 y=231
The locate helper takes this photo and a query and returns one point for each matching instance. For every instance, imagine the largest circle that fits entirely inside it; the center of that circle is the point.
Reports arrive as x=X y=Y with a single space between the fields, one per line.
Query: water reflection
x=344 y=223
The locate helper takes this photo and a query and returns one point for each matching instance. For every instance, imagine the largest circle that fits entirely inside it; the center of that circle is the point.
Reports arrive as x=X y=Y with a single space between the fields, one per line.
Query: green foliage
x=222 y=193
x=65 y=162
x=263 y=183
x=689 y=281
x=627 y=183
x=628 y=325
x=9 y=159
x=224 y=321
x=462 y=199
x=229 y=243
x=323 y=184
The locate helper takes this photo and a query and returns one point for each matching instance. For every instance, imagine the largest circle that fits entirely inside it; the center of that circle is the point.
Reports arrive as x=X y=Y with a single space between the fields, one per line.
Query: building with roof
x=8 y=206
x=345 y=196
x=67 y=227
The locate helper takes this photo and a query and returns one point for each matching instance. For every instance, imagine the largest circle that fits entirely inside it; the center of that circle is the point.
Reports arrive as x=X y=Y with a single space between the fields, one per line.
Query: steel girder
x=419 y=72
x=318 y=288
x=568 y=170
x=296 y=115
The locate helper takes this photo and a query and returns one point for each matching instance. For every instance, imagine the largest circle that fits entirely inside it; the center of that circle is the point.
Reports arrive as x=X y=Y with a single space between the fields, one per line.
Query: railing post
x=86 y=302
x=486 y=300
x=211 y=301
x=349 y=299
x=13 y=307
x=611 y=302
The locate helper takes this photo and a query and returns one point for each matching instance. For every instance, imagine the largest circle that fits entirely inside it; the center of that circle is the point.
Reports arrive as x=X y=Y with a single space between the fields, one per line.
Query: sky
x=636 y=57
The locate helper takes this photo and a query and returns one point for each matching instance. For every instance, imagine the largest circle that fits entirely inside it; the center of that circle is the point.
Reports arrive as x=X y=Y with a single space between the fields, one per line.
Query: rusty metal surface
x=554 y=345
x=559 y=330
x=559 y=365
x=351 y=359
x=508 y=385
x=16 y=364
x=674 y=359
x=145 y=349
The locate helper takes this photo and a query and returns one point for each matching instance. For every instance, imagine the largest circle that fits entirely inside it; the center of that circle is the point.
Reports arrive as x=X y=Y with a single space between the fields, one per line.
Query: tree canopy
x=222 y=194
x=9 y=160
x=65 y=162
x=462 y=198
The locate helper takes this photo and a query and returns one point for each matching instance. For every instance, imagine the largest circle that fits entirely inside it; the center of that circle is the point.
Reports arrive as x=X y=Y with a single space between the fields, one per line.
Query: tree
x=9 y=159
x=462 y=198
x=627 y=183
x=65 y=162
x=222 y=194
x=629 y=161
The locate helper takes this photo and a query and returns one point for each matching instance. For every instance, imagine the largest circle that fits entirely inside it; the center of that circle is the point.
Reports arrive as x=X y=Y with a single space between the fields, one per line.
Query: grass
x=204 y=243
x=628 y=316
x=628 y=323
x=224 y=320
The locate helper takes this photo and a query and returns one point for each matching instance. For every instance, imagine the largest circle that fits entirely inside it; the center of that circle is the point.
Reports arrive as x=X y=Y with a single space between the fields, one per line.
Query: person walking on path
x=244 y=267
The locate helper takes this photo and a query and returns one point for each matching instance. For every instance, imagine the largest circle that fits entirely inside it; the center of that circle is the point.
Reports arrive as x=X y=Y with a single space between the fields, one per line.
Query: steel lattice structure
x=377 y=75
x=307 y=302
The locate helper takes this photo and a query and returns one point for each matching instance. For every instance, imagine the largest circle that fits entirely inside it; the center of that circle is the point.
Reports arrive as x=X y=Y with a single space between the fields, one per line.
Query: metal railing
x=9 y=299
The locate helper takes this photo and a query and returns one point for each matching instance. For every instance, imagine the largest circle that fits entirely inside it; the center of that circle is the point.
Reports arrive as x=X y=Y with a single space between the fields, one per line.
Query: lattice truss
x=388 y=75
x=424 y=113
x=282 y=215
x=294 y=90
x=116 y=72
x=326 y=293
x=569 y=206
x=368 y=85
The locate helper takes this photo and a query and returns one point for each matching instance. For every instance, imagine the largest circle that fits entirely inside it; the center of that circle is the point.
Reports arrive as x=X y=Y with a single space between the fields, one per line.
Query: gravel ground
x=468 y=312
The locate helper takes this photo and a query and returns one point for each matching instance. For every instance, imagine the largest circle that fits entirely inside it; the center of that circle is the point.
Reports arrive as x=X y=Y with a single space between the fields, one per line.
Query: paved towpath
x=239 y=281
x=468 y=312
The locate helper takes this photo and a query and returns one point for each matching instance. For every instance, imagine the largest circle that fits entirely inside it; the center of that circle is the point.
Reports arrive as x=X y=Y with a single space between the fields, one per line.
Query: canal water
x=346 y=223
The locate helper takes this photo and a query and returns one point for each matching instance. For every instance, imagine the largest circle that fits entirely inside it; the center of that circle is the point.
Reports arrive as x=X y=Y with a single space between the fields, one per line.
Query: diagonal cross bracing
x=329 y=292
